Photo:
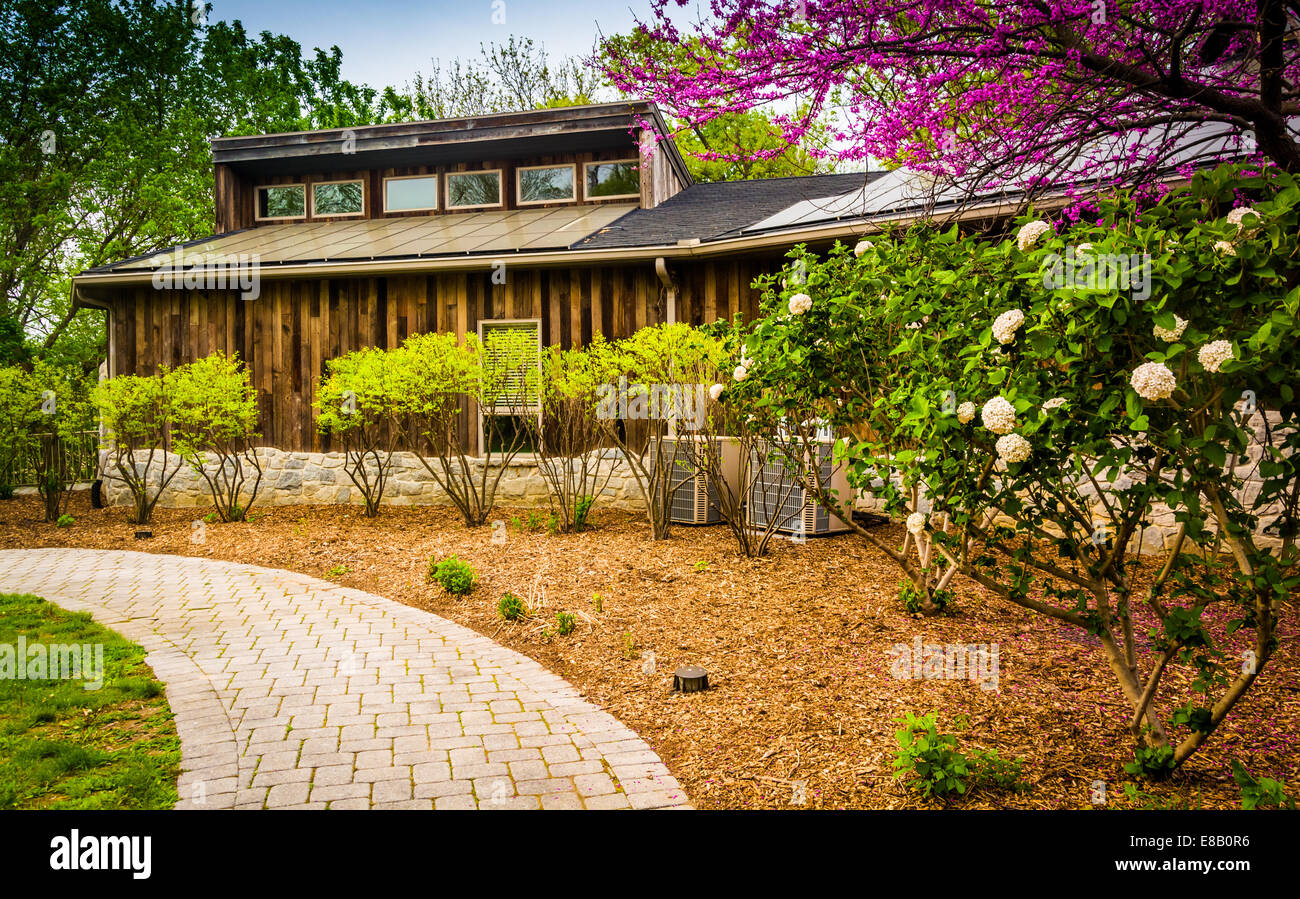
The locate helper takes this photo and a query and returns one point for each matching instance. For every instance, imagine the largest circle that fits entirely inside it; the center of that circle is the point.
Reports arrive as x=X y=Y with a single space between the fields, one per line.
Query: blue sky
x=386 y=41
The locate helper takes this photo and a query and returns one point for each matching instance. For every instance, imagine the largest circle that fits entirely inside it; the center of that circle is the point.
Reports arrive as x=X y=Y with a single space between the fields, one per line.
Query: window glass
x=281 y=202
x=474 y=189
x=338 y=198
x=542 y=185
x=405 y=194
x=613 y=179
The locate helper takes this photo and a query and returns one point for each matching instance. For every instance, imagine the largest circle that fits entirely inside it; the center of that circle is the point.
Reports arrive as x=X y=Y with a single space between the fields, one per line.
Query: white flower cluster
x=1013 y=448
x=716 y=391
x=1029 y=234
x=1223 y=248
x=1007 y=324
x=966 y=412
x=1213 y=355
x=1238 y=215
x=1169 y=335
x=1055 y=402
x=998 y=415
x=862 y=247
x=1082 y=248
x=800 y=303
x=916 y=522
x=1153 y=381
x=741 y=373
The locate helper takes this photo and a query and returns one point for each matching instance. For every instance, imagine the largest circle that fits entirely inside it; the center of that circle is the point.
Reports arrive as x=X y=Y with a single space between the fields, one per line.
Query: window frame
x=257 y=205
x=531 y=410
x=334 y=215
x=519 y=183
x=600 y=199
x=501 y=189
x=437 y=193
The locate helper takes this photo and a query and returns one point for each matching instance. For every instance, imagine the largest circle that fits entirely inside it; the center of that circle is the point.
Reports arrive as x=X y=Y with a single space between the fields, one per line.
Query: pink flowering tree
x=999 y=91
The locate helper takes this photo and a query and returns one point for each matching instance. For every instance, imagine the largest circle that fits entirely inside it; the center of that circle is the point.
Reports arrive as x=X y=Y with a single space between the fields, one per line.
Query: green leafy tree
x=359 y=401
x=647 y=382
x=135 y=412
x=444 y=383
x=568 y=435
x=213 y=426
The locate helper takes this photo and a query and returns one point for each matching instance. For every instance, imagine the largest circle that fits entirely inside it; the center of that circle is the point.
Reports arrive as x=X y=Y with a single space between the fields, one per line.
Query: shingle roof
x=718 y=209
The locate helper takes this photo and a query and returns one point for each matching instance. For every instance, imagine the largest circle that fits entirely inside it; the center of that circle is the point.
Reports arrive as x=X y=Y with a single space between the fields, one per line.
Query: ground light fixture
x=690 y=679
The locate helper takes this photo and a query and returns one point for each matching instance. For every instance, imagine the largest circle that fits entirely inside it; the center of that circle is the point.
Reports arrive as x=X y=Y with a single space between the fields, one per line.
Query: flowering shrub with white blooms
x=716 y=391
x=1026 y=492
x=998 y=415
x=1007 y=324
x=800 y=303
x=1169 y=335
x=1029 y=234
x=741 y=373
x=862 y=247
x=1153 y=381
x=1238 y=215
x=1013 y=448
x=1214 y=354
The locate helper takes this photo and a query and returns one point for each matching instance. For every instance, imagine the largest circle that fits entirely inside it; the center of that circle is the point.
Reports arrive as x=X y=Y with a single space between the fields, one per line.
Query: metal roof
x=466 y=233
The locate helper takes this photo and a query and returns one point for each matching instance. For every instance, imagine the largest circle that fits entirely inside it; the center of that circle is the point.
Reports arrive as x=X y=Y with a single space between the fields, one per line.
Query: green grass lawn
x=63 y=746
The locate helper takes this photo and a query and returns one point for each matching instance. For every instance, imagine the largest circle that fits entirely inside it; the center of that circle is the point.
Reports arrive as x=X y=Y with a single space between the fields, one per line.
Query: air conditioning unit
x=775 y=495
x=694 y=499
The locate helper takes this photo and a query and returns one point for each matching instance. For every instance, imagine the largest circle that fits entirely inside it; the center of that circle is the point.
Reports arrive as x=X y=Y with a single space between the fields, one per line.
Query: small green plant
x=553 y=525
x=337 y=571
x=630 y=649
x=455 y=576
x=994 y=771
x=1151 y=762
x=65 y=521
x=913 y=602
x=928 y=760
x=514 y=523
x=581 y=511
x=598 y=603
x=535 y=521
x=511 y=607
x=1262 y=792
x=701 y=566
x=565 y=623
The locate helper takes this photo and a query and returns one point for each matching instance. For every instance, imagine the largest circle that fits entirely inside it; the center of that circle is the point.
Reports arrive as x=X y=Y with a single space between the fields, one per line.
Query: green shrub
x=511 y=607
x=929 y=761
x=565 y=622
x=455 y=576
x=1260 y=793
x=914 y=602
x=994 y=771
x=582 y=509
x=65 y=521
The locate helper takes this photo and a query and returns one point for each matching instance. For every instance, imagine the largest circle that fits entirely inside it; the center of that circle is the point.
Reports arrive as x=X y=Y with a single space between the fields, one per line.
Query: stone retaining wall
x=293 y=478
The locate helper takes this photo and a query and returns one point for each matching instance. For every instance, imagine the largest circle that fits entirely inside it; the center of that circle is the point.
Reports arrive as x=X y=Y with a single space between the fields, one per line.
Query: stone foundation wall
x=294 y=478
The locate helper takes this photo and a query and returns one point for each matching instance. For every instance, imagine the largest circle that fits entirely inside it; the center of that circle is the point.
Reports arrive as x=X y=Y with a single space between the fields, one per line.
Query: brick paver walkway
x=292 y=692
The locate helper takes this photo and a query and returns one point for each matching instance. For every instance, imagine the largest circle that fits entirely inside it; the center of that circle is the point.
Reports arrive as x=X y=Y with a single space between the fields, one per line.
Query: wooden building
x=573 y=221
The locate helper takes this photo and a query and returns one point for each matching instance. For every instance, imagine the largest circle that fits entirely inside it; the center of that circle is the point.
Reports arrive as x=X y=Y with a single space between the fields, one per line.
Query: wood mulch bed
x=796 y=645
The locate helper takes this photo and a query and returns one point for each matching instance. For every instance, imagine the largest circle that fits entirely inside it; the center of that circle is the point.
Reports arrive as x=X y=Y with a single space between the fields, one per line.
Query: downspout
x=670 y=286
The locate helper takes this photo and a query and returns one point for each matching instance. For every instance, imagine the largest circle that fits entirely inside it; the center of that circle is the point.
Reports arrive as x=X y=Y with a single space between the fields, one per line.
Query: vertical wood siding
x=295 y=326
